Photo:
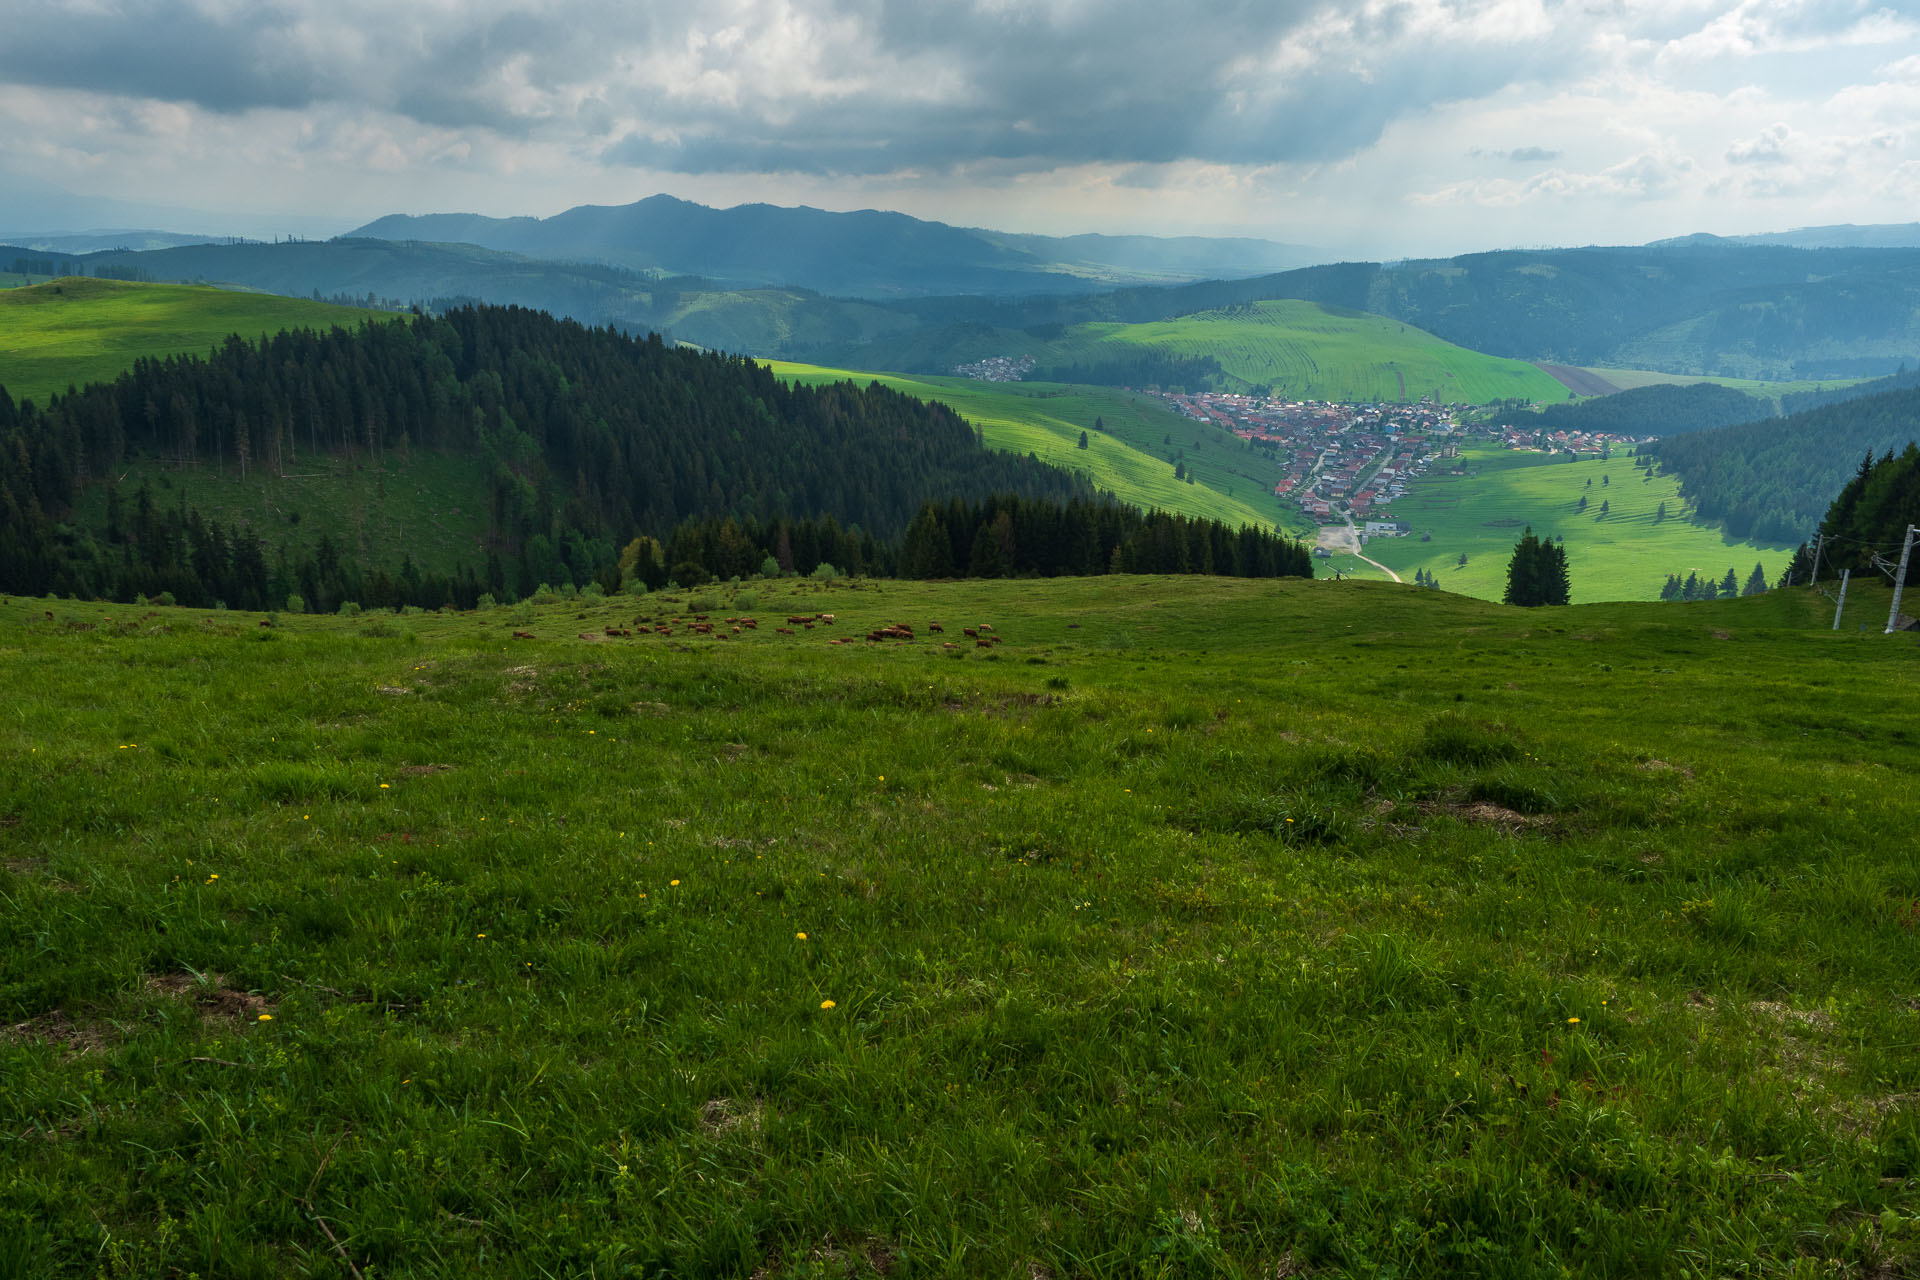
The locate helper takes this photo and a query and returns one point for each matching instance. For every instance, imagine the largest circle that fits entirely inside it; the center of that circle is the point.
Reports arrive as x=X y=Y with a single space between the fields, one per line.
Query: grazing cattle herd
x=701 y=624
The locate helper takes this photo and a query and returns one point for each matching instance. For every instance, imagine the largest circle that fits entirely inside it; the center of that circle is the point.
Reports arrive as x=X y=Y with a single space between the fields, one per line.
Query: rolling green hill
x=75 y=330
x=1305 y=350
x=1131 y=457
x=1624 y=556
x=1308 y=351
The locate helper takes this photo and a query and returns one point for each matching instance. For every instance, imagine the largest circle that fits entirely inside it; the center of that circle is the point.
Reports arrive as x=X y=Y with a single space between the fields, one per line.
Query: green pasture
x=1629 y=379
x=73 y=331
x=1315 y=352
x=1204 y=927
x=1132 y=457
x=1625 y=555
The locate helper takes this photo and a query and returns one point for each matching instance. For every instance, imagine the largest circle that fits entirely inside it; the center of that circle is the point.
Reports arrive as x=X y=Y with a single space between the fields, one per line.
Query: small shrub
x=703 y=604
x=544 y=594
x=635 y=587
x=769 y=568
x=825 y=572
x=349 y=609
x=569 y=592
x=414 y=610
x=593 y=591
x=486 y=601
x=296 y=604
x=523 y=612
x=165 y=599
x=690 y=574
x=746 y=600
x=380 y=630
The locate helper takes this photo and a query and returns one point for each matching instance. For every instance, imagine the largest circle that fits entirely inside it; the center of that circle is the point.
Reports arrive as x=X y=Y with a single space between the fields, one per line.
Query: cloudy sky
x=1379 y=128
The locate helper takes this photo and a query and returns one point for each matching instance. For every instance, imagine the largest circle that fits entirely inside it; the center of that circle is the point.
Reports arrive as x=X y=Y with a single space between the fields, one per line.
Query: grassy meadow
x=1625 y=555
x=1131 y=457
x=1202 y=927
x=1310 y=351
x=1629 y=379
x=76 y=330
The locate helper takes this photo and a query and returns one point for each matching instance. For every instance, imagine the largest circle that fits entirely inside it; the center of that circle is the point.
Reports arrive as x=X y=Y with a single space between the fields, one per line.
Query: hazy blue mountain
x=1845 y=235
x=862 y=254
x=32 y=210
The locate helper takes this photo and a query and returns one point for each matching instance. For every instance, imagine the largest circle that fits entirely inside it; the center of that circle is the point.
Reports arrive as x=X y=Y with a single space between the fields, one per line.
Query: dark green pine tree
x=1730 y=585
x=927 y=552
x=1083 y=439
x=1756 y=581
x=1537 y=573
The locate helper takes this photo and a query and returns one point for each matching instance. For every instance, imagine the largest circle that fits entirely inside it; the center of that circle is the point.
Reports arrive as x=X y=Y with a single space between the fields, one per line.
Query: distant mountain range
x=854 y=290
x=1845 y=235
x=865 y=254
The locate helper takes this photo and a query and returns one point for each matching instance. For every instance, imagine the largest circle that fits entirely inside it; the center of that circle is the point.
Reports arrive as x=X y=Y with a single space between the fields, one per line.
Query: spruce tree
x=1756 y=581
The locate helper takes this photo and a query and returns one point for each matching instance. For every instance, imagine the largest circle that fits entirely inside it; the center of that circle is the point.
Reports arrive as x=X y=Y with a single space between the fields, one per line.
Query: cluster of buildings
x=1337 y=461
x=996 y=369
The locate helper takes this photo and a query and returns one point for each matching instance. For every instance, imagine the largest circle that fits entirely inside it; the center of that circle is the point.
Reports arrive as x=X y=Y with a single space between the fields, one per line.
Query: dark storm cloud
x=171 y=50
x=816 y=86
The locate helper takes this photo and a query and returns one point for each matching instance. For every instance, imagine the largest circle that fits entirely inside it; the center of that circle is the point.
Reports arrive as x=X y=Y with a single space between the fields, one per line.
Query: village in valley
x=1346 y=463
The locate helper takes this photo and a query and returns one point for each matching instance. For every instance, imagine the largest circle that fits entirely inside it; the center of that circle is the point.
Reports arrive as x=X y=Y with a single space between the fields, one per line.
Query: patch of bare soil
x=56 y=1028
x=211 y=995
x=1661 y=766
x=422 y=770
x=1486 y=814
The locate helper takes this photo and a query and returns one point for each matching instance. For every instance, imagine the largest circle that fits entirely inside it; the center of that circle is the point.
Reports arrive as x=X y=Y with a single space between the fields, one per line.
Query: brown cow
x=523 y=635
x=935 y=628
x=986 y=626
x=971 y=631
x=983 y=643
x=785 y=631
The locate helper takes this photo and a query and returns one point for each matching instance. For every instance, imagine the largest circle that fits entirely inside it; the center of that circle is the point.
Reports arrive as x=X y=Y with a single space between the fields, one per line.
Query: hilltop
x=865 y=253
x=75 y=330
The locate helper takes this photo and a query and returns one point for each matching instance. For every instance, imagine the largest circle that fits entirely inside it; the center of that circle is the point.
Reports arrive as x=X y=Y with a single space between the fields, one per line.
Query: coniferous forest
x=591 y=439
x=1772 y=480
x=1868 y=519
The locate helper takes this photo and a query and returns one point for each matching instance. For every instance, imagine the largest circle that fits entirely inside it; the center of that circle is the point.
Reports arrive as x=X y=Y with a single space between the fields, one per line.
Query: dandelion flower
x=671 y=883
x=1573 y=1020
x=826 y=1004
x=266 y=1017
x=385 y=785
x=479 y=935
x=801 y=936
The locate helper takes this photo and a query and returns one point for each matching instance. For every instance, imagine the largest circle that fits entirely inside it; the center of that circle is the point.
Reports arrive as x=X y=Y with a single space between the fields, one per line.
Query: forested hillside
x=1774 y=479
x=589 y=437
x=1869 y=518
x=1659 y=410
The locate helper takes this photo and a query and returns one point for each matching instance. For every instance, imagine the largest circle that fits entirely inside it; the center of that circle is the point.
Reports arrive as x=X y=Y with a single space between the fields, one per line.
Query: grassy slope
x=1588 y=948
x=74 y=331
x=1131 y=458
x=1628 y=379
x=1626 y=556
x=1317 y=352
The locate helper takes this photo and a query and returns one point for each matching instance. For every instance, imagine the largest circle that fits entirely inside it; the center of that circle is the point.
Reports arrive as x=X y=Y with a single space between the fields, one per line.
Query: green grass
x=1316 y=352
x=1629 y=379
x=1203 y=928
x=75 y=330
x=1625 y=556
x=1131 y=457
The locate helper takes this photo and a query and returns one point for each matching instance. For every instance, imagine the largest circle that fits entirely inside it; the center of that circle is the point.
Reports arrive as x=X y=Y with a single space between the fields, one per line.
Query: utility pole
x=1844 y=575
x=1819 y=541
x=1900 y=580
